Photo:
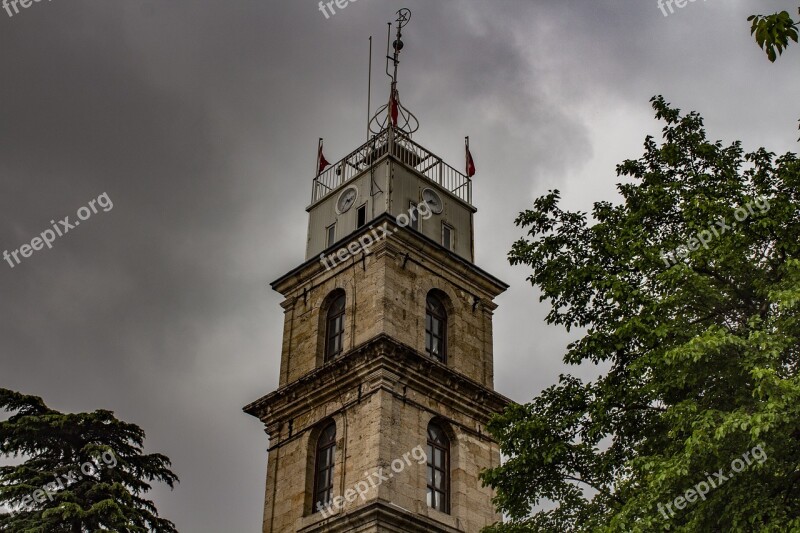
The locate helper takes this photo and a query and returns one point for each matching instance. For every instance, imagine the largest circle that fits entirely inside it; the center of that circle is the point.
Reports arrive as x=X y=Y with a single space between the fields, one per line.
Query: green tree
x=773 y=32
x=83 y=472
x=689 y=294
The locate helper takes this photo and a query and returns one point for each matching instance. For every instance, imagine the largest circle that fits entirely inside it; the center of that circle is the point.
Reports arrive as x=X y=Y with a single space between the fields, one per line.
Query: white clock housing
x=346 y=199
x=431 y=198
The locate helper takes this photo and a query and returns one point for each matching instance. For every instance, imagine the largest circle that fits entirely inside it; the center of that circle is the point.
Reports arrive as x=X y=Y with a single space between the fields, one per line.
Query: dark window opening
x=438 y=467
x=361 y=216
x=435 y=329
x=414 y=215
x=323 y=470
x=334 y=328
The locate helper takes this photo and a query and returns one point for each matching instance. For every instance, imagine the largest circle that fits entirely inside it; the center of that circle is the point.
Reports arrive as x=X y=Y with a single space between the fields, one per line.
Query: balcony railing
x=406 y=151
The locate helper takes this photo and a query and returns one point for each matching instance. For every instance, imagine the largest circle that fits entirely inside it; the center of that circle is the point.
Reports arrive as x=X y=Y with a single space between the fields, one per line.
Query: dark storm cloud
x=200 y=119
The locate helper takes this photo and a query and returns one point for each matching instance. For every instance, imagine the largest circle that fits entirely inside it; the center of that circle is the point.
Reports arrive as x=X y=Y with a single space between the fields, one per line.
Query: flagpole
x=319 y=154
x=466 y=155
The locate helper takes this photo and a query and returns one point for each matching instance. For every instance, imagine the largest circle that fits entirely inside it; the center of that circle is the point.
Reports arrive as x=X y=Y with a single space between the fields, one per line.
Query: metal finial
x=405 y=120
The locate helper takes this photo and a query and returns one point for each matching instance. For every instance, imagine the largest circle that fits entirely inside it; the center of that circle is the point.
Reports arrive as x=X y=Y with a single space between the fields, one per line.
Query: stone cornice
x=385 y=515
x=312 y=268
x=378 y=364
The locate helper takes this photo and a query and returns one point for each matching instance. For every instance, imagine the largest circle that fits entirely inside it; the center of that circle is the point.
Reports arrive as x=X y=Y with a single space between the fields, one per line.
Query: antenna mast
x=396 y=115
x=369 y=85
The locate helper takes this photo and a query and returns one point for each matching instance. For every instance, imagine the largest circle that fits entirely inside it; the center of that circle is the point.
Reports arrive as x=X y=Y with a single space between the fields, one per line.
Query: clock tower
x=386 y=376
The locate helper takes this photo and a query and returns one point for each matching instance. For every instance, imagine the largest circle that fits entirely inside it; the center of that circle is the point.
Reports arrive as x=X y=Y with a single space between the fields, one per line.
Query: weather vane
x=393 y=112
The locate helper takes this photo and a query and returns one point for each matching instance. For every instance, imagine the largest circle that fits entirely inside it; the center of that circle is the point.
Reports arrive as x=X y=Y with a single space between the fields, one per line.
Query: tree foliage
x=773 y=32
x=55 y=489
x=702 y=347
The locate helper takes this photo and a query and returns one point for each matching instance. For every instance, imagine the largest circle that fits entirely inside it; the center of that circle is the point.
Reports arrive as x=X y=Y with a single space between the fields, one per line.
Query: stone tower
x=386 y=378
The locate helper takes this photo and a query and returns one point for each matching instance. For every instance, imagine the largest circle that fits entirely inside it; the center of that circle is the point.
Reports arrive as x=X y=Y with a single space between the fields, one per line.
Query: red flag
x=321 y=161
x=470 y=164
x=394 y=109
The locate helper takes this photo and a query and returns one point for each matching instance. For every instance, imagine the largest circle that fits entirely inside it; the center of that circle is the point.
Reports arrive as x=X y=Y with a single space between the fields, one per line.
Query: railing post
x=314 y=190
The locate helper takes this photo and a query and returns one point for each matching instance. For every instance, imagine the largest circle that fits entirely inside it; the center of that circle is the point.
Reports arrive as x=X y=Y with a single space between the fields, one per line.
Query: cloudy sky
x=199 y=119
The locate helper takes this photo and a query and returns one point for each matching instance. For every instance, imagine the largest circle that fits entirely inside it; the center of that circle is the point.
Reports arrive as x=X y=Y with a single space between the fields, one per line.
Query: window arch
x=323 y=466
x=334 y=325
x=438 y=468
x=435 y=328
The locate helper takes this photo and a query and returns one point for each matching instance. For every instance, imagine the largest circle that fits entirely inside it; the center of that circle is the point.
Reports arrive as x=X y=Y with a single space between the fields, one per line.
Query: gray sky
x=200 y=121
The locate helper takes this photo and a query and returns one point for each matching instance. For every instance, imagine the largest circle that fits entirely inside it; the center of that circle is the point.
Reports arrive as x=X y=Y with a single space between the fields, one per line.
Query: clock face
x=346 y=199
x=435 y=204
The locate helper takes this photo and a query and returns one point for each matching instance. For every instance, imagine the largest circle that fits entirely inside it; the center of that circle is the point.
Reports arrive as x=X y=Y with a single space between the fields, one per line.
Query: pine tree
x=82 y=472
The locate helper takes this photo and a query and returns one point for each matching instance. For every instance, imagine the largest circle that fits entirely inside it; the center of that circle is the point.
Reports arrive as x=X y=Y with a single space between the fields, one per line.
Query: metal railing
x=411 y=154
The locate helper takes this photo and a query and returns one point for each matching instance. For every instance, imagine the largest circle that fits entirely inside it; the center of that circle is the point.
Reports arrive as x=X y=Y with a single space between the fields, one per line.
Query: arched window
x=323 y=468
x=438 y=469
x=435 y=328
x=334 y=327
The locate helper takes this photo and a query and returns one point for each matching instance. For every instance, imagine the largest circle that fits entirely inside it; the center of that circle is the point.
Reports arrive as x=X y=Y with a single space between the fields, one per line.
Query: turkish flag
x=470 y=164
x=321 y=160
